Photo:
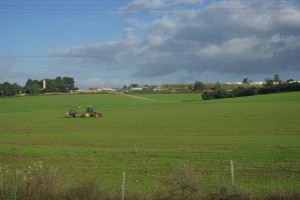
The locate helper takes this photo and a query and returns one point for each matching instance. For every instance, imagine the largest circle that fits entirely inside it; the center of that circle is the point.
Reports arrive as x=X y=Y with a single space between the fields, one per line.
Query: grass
x=146 y=138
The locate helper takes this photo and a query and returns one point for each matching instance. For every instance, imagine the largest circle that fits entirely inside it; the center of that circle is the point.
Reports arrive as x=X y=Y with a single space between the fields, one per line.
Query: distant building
x=137 y=89
x=257 y=83
x=108 y=89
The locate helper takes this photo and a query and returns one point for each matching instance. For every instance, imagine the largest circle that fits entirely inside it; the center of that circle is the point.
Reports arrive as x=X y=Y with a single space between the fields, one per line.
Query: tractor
x=90 y=112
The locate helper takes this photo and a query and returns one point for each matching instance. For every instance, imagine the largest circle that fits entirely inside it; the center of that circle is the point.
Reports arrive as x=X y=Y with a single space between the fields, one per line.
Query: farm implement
x=90 y=112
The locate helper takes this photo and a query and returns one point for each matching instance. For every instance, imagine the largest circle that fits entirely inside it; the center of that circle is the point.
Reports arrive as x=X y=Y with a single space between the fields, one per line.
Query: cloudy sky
x=116 y=42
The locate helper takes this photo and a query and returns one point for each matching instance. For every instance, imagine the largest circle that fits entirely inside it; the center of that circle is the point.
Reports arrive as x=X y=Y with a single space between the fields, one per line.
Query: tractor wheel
x=87 y=114
x=96 y=115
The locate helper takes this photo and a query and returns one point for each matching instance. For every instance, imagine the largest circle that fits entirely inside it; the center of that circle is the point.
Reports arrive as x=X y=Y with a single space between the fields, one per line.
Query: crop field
x=146 y=135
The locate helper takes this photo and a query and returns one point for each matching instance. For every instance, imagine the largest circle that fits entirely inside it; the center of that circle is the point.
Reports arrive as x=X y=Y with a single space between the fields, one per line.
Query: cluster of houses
x=251 y=83
x=164 y=87
x=169 y=87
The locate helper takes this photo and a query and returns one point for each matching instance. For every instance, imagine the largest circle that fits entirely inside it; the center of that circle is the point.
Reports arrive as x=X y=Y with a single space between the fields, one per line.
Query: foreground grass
x=183 y=182
x=147 y=138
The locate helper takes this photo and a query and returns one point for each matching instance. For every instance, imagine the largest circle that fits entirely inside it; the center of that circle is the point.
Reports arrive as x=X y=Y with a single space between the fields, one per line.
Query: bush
x=42 y=186
x=89 y=190
x=222 y=193
x=282 y=195
x=220 y=93
x=183 y=183
x=35 y=182
x=207 y=95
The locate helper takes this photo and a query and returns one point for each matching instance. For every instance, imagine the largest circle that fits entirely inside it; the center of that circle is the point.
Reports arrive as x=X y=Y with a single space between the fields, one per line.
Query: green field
x=146 y=137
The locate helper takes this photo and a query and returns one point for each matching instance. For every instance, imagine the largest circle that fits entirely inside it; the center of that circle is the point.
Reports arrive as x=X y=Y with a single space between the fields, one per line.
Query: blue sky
x=117 y=42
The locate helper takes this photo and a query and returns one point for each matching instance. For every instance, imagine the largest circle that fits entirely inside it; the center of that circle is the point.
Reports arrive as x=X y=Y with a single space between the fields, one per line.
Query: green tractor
x=90 y=112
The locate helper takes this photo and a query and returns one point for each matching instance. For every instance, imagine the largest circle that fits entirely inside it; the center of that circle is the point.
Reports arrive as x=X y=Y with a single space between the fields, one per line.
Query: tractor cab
x=91 y=112
x=90 y=109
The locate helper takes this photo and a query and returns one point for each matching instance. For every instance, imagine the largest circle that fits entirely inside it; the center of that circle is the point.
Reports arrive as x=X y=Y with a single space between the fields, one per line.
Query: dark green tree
x=134 y=85
x=198 y=86
x=269 y=82
x=16 y=89
x=246 y=81
x=32 y=87
x=8 y=89
x=276 y=78
x=68 y=83
x=59 y=84
x=290 y=80
x=50 y=85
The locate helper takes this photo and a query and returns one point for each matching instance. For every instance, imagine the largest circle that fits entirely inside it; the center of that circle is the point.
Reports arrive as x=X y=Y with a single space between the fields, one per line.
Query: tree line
x=270 y=87
x=34 y=87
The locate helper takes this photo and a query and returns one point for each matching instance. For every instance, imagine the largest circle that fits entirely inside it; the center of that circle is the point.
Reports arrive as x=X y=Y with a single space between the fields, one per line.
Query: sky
x=111 y=43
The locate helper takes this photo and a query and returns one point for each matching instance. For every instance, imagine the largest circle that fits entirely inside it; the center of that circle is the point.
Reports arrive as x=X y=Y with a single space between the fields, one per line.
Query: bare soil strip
x=143 y=98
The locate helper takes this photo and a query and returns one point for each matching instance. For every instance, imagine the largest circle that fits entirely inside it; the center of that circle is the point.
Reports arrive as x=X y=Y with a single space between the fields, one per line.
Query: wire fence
x=39 y=182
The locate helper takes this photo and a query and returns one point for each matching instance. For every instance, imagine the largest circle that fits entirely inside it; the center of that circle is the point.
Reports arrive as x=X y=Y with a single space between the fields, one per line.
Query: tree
x=32 y=86
x=198 y=86
x=134 y=85
x=16 y=89
x=290 y=80
x=7 y=89
x=68 y=83
x=59 y=84
x=269 y=82
x=246 y=81
x=276 y=78
x=218 y=86
x=50 y=85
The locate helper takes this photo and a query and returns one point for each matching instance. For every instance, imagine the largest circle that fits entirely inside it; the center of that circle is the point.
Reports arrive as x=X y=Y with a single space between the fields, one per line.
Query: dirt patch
x=143 y=98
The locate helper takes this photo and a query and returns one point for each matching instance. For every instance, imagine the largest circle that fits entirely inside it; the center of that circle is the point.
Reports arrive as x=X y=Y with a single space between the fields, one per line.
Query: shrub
x=183 y=183
x=43 y=185
x=207 y=95
x=89 y=191
x=282 y=195
x=222 y=193
x=35 y=182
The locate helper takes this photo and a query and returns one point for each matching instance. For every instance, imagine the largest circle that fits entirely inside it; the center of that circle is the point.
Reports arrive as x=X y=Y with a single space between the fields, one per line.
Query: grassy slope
x=146 y=138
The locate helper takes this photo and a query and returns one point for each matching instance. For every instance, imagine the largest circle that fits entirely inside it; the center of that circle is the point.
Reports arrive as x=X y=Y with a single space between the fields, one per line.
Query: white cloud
x=230 y=37
x=11 y=69
x=187 y=2
x=102 y=82
x=162 y=25
x=157 y=6
x=142 y=5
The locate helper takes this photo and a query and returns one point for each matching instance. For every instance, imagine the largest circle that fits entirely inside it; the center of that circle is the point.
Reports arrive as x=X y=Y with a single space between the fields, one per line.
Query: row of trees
x=220 y=93
x=59 y=84
x=268 y=80
x=34 y=87
x=8 y=89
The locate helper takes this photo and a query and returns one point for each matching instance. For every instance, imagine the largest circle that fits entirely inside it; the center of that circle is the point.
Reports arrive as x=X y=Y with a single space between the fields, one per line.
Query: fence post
x=1 y=182
x=15 y=186
x=123 y=186
x=232 y=175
